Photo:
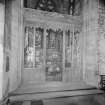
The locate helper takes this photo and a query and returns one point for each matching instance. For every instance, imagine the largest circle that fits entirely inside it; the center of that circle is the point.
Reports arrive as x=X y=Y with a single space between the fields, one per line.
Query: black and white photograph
x=52 y=52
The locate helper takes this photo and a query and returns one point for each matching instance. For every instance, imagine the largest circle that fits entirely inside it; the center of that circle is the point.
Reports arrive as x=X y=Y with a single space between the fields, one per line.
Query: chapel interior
x=52 y=52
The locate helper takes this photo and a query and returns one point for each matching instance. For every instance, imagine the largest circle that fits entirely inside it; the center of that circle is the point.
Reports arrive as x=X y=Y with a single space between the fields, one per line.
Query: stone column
x=2 y=16
x=90 y=57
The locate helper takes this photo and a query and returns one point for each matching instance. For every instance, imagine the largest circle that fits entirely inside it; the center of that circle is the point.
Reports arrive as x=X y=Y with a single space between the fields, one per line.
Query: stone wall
x=7 y=48
x=12 y=33
x=90 y=48
x=101 y=37
x=16 y=40
x=2 y=15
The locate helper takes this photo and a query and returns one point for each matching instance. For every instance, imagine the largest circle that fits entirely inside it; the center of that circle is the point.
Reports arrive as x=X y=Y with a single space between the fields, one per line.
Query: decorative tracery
x=54 y=60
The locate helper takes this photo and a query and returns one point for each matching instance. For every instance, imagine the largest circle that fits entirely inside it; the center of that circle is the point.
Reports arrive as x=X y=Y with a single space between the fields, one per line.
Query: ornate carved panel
x=33 y=47
x=39 y=47
x=68 y=49
x=51 y=48
x=29 y=47
x=54 y=45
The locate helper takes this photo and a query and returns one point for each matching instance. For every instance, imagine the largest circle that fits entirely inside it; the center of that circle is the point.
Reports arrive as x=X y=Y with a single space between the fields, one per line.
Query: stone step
x=56 y=94
x=52 y=87
x=94 y=99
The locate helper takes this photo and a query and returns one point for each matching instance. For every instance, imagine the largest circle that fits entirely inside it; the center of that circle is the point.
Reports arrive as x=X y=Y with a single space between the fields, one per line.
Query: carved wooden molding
x=32 y=14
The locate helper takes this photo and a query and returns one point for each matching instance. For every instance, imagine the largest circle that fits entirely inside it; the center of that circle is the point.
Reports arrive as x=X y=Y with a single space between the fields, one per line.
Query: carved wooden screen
x=33 y=47
x=29 y=47
x=51 y=58
x=52 y=51
x=39 y=47
x=54 y=44
x=68 y=48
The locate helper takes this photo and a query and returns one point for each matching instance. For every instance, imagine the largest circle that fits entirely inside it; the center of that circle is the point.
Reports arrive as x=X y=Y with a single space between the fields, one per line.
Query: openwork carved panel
x=33 y=47
x=51 y=45
x=45 y=49
x=39 y=47
x=54 y=43
x=69 y=48
x=29 y=47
